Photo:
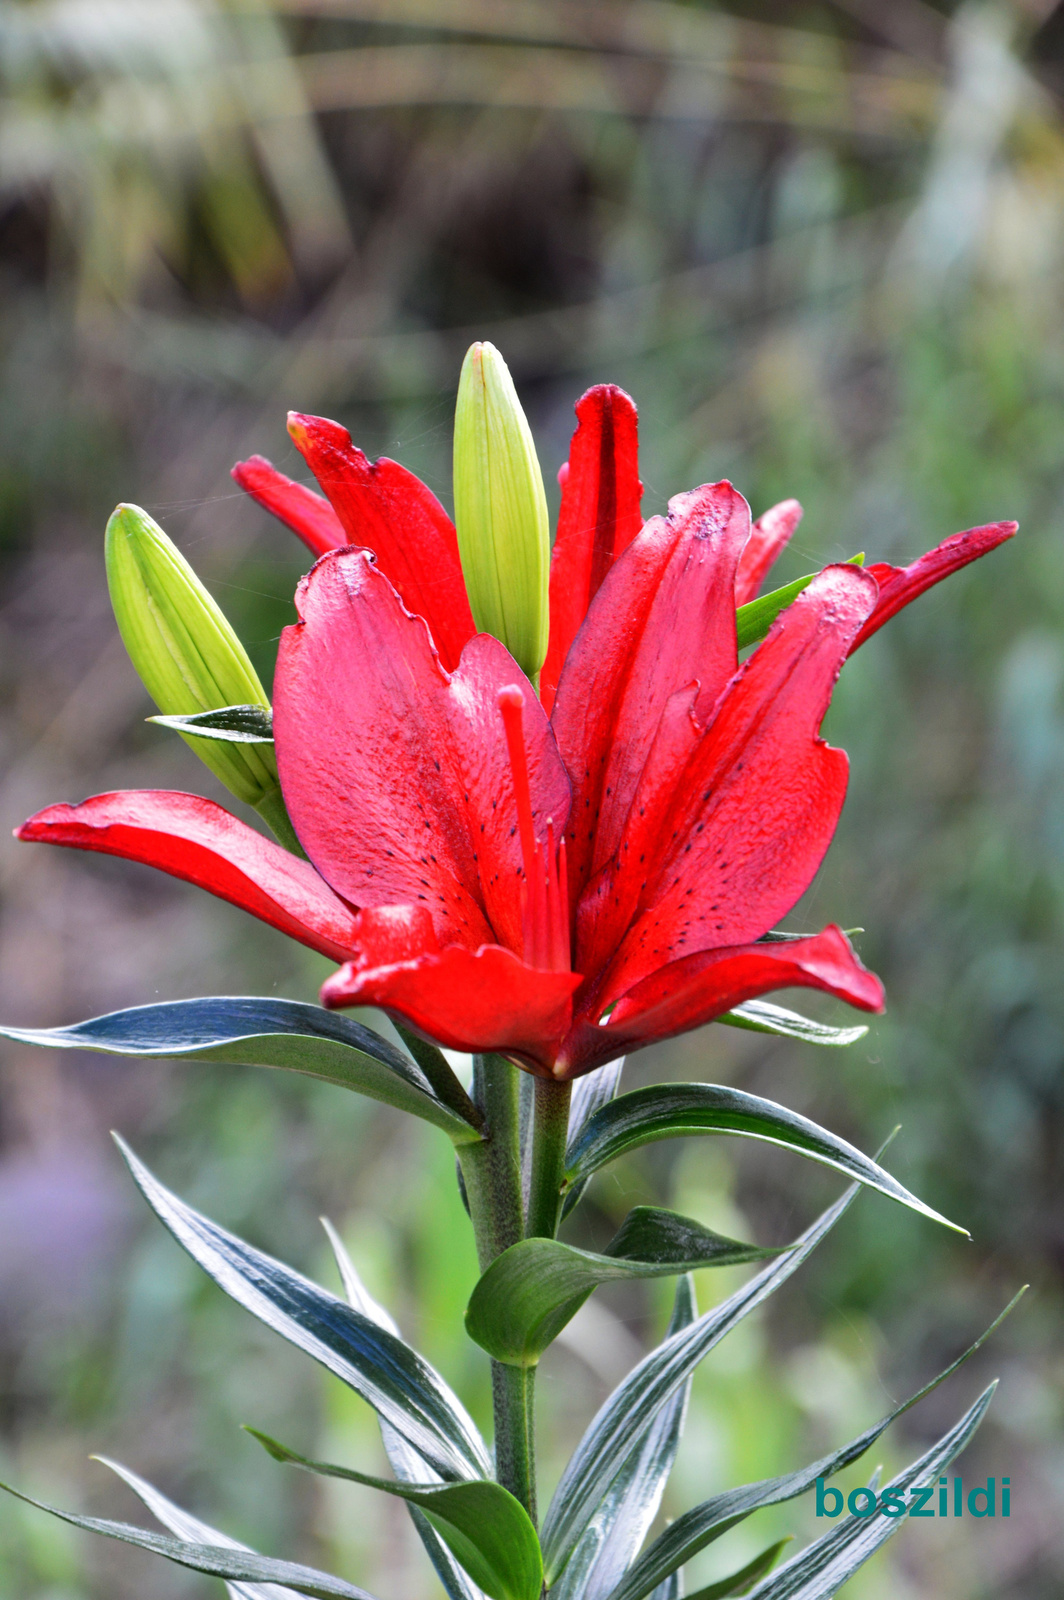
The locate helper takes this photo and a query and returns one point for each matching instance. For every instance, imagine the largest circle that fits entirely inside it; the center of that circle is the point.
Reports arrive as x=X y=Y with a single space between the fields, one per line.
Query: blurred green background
x=822 y=245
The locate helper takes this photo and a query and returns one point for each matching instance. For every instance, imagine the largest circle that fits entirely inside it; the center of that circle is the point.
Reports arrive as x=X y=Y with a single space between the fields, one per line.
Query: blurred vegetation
x=822 y=244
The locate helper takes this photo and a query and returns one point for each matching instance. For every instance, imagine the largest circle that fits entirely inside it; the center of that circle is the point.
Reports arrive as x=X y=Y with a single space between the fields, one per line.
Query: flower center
x=544 y=886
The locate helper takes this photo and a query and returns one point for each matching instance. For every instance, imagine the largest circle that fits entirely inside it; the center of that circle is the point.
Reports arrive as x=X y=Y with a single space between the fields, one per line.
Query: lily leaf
x=193 y=1531
x=397 y=1382
x=820 y=1570
x=590 y=1092
x=627 y=1510
x=753 y=620
x=403 y=1459
x=530 y=1291
x=621 y=1423
x=761 y=1016
x=698 y=1527
x=248 y=1031
x=742 y=1582
x=219 y=1561
x=234 y=724
x=673 y=1110
x=481 y=1523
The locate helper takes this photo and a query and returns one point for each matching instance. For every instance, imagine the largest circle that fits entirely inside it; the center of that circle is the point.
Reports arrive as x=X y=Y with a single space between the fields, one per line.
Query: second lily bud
x=500 y=510
x=188 y=656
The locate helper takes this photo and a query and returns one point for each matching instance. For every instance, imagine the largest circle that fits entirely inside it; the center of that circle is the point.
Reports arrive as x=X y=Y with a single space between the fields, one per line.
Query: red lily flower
x=559 y=889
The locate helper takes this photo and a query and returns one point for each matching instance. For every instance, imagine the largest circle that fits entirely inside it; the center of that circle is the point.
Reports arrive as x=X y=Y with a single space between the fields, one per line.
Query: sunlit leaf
x=483 y=1526
x=249 y=1031
x=193 y=1531
x=408 y=1466
x=627 y=1510
x=761 y=1016
x=743 y=1581
x=232 y=724
x=219 y=1561
x=593 y=1090
x=820 y=1570
x=397 y=1382
x=622 y=1422
x=674 y=1110
x=698 y=1527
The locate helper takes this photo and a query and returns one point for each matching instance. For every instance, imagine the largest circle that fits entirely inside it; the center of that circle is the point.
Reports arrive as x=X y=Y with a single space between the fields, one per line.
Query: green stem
x=550 y=1132
x=491 y=1170
x=513 y=1391
x=491 y=1167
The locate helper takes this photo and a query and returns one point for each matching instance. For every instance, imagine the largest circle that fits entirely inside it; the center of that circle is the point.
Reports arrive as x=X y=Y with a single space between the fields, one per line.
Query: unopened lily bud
x=500 y=510
x=187 y=654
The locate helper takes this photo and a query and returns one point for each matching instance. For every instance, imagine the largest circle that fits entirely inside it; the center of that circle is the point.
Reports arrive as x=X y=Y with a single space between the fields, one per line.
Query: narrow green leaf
x=193 y=1531
x=399 y=1384
x=529 y=1293
x=621 y=1423
x=753 y=620
x=249 y=1031
x=219 y=1561
x=440 y=1074
x=742 y=1582
x=593 y=1090
x=698 y=1527
x=627 y=1510
x=481 y=1523
x=408 y=1466
x=761 y=1016
x=820 y=1570
x=232 y=724
x=674 y=1110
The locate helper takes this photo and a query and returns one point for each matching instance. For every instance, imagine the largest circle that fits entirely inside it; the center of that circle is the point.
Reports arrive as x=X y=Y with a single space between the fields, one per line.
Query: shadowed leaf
x=529 y=1293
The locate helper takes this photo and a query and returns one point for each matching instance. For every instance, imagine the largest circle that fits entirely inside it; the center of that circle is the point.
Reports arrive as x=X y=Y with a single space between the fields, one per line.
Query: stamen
x=545 y=889
x=511 y=704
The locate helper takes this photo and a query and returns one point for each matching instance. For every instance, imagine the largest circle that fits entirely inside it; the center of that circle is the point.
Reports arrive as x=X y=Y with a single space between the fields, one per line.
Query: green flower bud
x=500 y=510
x=188 y=657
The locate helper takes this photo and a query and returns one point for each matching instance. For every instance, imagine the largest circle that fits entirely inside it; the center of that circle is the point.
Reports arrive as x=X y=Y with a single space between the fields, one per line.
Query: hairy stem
x=513 y=1392
x=491 y=1167
x=491 y=1170
x=549 y=1135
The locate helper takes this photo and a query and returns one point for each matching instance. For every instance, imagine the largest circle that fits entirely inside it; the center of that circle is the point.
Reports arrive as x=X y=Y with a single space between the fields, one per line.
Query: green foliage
x=534 y=1288
x=271 y=1033
x=669 y=1111
x=482 y=1525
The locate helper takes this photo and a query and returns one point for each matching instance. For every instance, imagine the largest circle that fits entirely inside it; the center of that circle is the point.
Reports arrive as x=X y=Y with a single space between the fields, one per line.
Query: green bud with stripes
x=188 y=656
x=500 y=510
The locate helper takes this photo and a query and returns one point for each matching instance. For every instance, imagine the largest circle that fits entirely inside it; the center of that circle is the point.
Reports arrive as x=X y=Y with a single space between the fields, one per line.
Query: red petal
x=194 y=839
x=384 y=507
x=298 y=507
x=468 y=1000
x=397 y=776
x=687 y=993
x=770 y=534
x=899 y=585
x=757 y=804
x=664 y=617
x=387 y=934
x=599 y=516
